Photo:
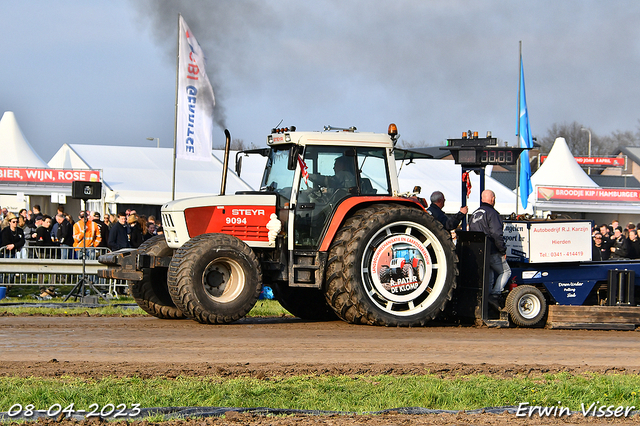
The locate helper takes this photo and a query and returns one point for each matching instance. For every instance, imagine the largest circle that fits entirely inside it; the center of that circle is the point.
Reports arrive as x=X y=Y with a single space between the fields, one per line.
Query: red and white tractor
x=325 y=225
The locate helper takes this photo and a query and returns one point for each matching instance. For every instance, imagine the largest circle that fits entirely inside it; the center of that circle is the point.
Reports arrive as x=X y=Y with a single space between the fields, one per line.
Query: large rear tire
x=526 y=305
x=366 y=242
x=151 y=293
x=215 y=278
x=304 y=303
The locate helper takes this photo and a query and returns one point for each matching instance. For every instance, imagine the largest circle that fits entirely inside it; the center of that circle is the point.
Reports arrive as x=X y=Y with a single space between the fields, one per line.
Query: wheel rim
x=223 y=280
x=416 y=293
x=529 y=306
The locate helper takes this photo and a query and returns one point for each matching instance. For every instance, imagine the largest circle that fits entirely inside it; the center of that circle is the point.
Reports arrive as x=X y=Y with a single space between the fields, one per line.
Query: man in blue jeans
x=486 y=219
x=64 y=236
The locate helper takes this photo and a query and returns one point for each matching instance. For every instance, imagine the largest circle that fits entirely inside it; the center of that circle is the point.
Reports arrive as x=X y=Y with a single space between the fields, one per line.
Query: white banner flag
x=195 y=100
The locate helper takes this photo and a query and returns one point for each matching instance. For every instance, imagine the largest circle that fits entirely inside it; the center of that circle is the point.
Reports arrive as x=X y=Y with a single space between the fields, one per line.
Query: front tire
x=526 y=305
x=215 y=278
x=369 y=240
x=151 y=293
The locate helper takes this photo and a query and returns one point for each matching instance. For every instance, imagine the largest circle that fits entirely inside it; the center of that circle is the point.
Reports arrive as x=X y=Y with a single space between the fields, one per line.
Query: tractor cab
x=313 y=172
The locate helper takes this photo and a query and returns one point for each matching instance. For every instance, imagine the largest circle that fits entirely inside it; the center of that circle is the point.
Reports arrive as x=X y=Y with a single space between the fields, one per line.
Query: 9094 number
x=95 y=410
x=236 y=220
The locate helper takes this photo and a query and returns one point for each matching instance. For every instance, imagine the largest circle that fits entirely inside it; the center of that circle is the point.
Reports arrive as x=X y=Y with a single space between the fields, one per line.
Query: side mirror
x=238 y=165
x=293 y=157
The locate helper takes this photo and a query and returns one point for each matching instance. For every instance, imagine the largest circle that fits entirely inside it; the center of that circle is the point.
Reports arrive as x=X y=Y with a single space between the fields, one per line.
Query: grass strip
x=342 y=393
x=263 y=308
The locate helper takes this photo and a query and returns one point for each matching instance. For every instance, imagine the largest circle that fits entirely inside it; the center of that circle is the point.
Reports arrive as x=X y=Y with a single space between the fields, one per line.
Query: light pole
x=157 y=139
x=587 y=130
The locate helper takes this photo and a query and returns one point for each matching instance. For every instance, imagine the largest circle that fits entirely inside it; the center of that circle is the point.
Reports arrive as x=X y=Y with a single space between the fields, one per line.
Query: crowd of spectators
x=32 y=227
x=615 y=242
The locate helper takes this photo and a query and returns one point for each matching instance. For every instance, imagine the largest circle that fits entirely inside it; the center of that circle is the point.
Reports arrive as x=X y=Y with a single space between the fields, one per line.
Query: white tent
x=446 y=176
x=140 y=175
x=561 y=169
x=16 y=150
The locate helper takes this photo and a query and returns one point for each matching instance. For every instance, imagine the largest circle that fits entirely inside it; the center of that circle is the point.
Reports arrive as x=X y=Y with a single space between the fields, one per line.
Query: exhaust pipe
x=225 y=165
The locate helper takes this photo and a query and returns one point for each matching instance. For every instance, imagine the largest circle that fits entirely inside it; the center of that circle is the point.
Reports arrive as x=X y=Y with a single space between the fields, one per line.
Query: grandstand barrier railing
x=55 y=266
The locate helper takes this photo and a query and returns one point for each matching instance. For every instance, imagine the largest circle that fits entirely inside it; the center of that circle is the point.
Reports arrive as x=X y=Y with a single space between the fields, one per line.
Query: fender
x=352 y=203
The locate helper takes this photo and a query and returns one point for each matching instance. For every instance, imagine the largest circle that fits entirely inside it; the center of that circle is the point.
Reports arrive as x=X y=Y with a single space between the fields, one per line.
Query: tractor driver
x=344 y=177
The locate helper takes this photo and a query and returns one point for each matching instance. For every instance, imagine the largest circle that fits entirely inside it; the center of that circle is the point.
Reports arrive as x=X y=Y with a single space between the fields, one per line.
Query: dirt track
x=99 y=346
x=289 y=341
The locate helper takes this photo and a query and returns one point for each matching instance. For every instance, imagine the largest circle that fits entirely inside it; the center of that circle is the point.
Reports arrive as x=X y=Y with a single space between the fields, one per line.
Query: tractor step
x=307 y=268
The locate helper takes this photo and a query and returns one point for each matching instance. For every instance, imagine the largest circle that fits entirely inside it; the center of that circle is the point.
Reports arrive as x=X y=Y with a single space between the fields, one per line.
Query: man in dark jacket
x=43 y=239
x=486 y=219
x=449 y=222
x=599 y=251
x=634 y=243
x=620 y=248
x=43 y=233
x=606 y=237
x=13 y=238
x=104 y=230
x=118 y=235
x=30 y=230
x=64 y=235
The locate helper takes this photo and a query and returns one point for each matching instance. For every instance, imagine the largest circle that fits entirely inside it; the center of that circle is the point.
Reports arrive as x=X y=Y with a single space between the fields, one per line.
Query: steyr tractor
x=326 y=224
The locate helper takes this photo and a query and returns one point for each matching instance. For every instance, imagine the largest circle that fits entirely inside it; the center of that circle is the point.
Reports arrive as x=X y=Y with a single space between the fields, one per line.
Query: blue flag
x=525 y=142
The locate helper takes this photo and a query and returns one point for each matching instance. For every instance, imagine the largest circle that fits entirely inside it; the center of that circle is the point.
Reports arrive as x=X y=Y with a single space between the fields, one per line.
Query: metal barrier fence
x=55 y=266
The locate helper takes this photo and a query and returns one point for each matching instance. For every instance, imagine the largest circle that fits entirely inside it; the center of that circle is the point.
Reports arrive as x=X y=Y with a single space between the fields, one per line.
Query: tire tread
x=341 y=288
x=180 y=271
x=143 y=291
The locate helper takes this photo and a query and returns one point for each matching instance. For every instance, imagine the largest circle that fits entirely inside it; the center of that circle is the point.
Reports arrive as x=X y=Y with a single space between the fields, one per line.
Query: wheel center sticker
x=401 y=268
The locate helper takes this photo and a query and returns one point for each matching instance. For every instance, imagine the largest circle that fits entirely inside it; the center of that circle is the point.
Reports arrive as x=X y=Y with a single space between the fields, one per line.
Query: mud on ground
x=55 y=368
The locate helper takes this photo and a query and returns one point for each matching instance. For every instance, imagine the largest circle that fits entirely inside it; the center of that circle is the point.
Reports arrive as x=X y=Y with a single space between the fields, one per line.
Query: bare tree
x=620 y=139
x=403 y=143
x=571 y=132
x=578 y=139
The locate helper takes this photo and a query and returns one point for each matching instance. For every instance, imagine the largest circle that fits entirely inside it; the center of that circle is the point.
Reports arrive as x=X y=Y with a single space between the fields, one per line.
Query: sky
x=103 y=72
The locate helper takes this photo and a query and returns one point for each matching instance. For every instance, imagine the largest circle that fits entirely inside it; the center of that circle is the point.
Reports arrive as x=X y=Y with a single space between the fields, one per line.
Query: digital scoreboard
x=485 y=156
x=479 y=152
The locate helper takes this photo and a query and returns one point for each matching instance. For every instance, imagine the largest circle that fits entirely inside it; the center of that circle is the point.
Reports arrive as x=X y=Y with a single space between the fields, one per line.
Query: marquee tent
x=22 y=171
x=16 y=150
x=580 y=194
x=560 y=168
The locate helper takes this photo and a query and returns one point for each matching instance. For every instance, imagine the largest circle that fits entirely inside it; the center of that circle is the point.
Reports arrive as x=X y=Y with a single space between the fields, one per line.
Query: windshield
x=277 y=177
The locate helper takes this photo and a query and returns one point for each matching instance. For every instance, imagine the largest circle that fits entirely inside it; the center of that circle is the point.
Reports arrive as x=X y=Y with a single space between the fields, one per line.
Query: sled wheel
x=304 y=303
x=215 y=278
x=151 y=292
x=354 y=288
x=526 y=305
